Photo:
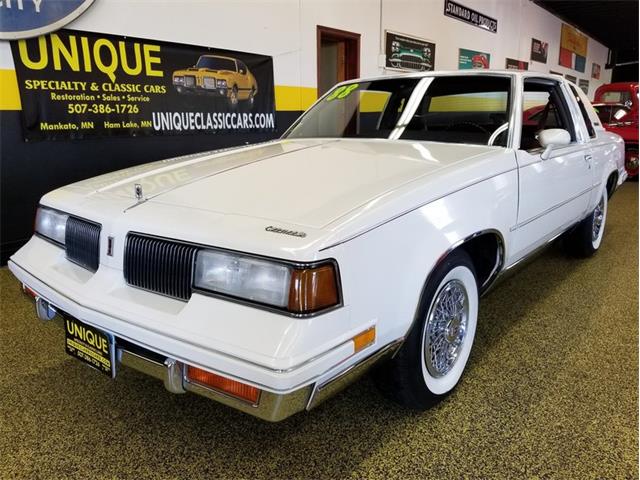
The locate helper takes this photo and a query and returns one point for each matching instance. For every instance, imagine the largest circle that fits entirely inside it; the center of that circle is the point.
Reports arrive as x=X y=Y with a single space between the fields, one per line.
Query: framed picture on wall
x=583 y=83
x=408 y=53
x=513 y=64
x=469 y=59
x=571 y=78
x=595 y=71
x=539 y=50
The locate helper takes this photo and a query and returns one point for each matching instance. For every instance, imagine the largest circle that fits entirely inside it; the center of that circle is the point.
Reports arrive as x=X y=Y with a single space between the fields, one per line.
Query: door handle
x=588 y=158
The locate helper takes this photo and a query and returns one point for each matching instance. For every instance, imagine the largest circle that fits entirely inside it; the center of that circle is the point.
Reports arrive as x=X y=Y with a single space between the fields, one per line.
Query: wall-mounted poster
x=513 y=64
x=571 y=78
x=468 y=59
x=404 y=52
x=539 y=50
x=584 y=85
x=595 y=71
x=573 y=48
x=78 y=85
x=470 y=16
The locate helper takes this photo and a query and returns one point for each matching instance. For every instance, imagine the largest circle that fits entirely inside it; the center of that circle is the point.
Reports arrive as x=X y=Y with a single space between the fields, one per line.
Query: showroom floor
x=551 y=391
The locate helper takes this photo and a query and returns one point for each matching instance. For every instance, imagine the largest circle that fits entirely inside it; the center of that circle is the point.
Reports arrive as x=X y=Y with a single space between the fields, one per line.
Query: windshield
x=454 y=109
x=216 y=63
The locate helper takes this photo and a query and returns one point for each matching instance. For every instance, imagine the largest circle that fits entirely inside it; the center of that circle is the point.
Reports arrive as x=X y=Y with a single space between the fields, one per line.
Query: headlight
x=222 y=84
x=178 y=80
x=51 y=224
x=291 y=288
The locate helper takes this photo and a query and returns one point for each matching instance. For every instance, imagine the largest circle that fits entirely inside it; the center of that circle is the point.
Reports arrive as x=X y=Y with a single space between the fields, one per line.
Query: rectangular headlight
x=179 y=80
x=221 y=83
x=51 y=224
x=269 y=282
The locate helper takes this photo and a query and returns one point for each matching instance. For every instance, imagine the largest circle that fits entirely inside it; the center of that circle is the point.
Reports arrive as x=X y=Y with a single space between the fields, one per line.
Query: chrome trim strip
x=344 y=378
x=549 y=210
x=395 y=217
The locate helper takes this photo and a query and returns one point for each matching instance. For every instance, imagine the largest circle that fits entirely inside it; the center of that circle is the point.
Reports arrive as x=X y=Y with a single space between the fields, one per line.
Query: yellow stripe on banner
x=288 y=98
x=294 y=99
x=9 y=93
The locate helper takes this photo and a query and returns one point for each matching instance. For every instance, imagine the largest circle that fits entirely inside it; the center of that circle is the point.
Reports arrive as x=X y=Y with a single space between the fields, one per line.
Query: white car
x=268 y=277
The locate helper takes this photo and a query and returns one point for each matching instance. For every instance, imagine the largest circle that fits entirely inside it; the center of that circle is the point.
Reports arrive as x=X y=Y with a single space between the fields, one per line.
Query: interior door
x=554 y=193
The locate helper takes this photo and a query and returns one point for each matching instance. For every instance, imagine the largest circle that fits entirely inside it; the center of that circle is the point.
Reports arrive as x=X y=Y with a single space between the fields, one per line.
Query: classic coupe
x=268 y=277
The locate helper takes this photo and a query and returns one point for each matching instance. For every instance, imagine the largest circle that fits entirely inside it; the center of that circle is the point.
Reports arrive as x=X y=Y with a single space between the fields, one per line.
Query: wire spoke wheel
x=598 y=220
x=446 y=328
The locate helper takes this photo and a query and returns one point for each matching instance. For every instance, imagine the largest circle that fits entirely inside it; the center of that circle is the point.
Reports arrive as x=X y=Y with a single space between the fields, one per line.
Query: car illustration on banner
x=268 y=277
x=411 y=58
x=225 y=77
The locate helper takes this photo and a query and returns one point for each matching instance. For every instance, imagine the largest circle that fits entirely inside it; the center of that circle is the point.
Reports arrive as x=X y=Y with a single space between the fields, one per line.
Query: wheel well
x=487 y=254
x=612 y=182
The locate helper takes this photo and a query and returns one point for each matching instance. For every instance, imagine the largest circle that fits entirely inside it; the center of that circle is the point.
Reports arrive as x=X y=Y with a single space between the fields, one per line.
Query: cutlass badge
x=137 y=189
x=284 y=231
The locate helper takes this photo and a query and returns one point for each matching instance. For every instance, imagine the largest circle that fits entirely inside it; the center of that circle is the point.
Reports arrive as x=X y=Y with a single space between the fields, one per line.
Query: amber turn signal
x=313 y=289
x=222 y=384
x=364 y=339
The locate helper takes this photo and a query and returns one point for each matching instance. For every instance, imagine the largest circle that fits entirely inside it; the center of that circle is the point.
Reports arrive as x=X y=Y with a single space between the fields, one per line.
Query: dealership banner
x=539 y=50
x=404 y=52
x=79 y=85
x=468 y=59
x=513 y=64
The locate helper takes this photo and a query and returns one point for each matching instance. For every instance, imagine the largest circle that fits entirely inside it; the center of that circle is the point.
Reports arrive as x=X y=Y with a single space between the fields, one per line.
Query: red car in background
x=617 y=107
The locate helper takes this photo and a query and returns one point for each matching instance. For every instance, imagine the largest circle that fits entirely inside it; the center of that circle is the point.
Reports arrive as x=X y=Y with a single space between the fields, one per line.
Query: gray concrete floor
x=551 y=391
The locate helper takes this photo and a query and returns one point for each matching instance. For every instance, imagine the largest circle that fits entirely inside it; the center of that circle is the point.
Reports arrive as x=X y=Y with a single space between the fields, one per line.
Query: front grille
x=82 y=243
x=189 y=81
x=160 y=266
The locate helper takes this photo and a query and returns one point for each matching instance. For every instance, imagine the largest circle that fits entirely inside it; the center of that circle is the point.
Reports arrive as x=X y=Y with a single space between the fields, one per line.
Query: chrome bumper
x=271 y=406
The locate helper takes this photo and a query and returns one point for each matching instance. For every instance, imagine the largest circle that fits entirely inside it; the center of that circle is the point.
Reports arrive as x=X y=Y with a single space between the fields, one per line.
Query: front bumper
x=271 y=406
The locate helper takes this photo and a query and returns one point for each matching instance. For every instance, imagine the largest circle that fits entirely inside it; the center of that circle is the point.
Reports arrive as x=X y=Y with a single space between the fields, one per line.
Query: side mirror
x=552 y=138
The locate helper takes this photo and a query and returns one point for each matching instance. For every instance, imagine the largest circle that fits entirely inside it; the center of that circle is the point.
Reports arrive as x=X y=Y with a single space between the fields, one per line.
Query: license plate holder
x=90 y=345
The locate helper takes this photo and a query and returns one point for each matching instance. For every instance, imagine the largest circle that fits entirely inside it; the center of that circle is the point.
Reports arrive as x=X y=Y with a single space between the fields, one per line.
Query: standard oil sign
x=470 y=16
x=30 y=18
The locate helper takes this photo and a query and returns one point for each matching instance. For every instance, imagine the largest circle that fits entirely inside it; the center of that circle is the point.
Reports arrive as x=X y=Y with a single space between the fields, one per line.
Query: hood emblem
x=137 y=189
x=284 y=231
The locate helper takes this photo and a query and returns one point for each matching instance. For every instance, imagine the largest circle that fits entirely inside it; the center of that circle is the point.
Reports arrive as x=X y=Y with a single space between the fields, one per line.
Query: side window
x=544 y=106
x=583 y=111
x=242 y=68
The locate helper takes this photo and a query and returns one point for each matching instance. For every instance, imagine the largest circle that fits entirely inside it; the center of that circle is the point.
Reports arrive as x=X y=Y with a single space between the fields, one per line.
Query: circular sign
x=30 y=18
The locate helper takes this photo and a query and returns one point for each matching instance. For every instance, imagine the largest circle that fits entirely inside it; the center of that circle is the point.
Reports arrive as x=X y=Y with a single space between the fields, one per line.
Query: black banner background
x=131 y=93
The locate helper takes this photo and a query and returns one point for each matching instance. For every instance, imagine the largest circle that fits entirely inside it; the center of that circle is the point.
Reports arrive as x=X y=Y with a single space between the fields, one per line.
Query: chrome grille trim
x=82 y=242
x=159 y=266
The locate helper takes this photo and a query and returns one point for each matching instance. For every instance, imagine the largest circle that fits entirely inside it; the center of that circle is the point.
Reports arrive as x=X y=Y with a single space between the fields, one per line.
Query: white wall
x=286 y=30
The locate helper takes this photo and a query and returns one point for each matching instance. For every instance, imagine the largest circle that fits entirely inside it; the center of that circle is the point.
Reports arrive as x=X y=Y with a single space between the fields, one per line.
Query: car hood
x=298 y=182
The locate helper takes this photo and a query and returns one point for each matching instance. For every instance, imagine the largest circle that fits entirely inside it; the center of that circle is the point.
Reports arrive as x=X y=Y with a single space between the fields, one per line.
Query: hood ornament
x=137 y=189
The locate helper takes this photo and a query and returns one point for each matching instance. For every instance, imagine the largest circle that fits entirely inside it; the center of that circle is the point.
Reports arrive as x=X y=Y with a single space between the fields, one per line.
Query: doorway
x=338 y=57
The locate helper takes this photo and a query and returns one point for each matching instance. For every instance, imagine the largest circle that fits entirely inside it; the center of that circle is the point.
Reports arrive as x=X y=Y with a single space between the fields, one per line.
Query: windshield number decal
x=342 y=92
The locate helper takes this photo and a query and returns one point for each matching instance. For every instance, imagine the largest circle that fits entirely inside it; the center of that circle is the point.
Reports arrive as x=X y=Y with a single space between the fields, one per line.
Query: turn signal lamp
x=226 y=385
x=364 y=339
x=313 y=289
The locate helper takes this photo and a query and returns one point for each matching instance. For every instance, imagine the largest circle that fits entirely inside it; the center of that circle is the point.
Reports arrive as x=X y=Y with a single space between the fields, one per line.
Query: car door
x=554 y=192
